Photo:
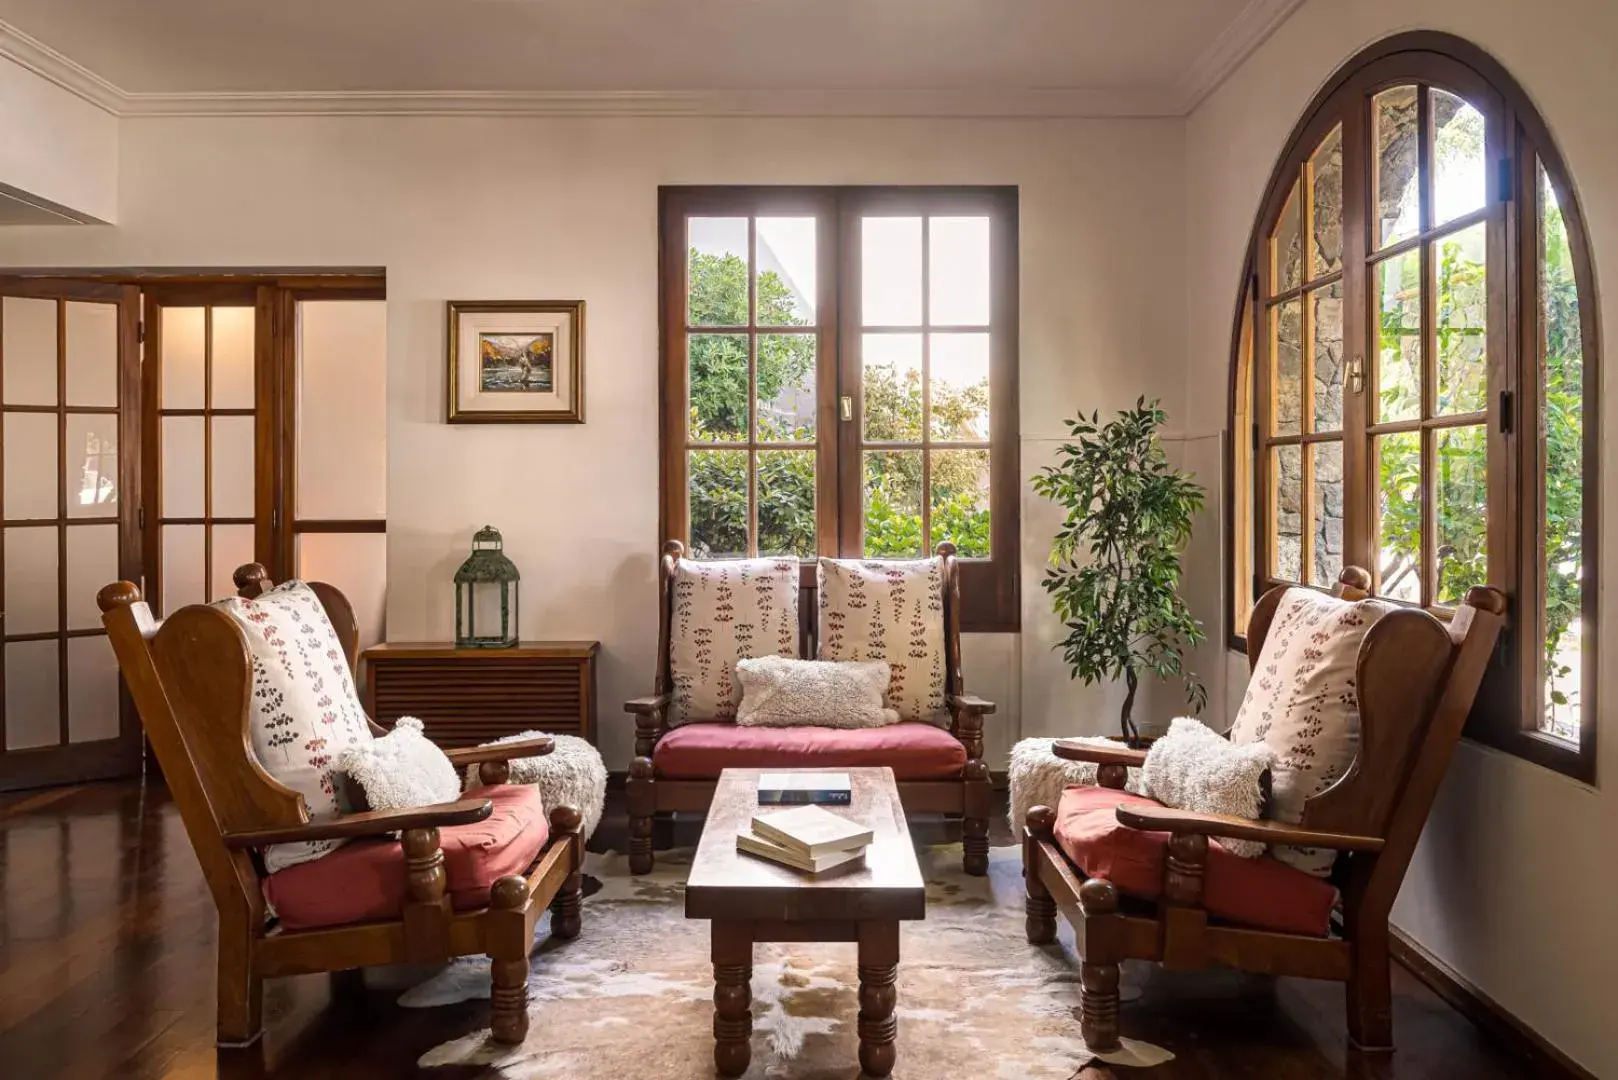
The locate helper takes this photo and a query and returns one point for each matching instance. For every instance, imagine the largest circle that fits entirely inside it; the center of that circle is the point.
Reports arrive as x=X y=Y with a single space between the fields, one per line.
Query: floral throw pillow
x=724 y=611
x=894 y=611
x=1302 y=702
x=304 y=710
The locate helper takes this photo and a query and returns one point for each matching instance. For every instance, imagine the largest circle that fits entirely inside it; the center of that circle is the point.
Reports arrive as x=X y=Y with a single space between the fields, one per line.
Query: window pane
x=1326 y=463
x=786 y=503
x=959 y=385
x=716 y=273
x=30 y=476
x=1286 y=338
x=1286 y=502
x=1326 y=205
x=91 y=472
x=92 y=354
x=718 y=387
x=893 y=504
x=1399 y=516
x=1463 y=307
x=1399 y=320
x=958 y=271
x=1561 y=433
x=28 y=350
x=233 y=456
x=183 y=357
x=33 y=695
x=1461 y=501
x=960 y=501
x=31 y=580
x=1286 y=245
x=786 y=271
x=182 y=464
x=342 y=357
x=786 y=388
x=890 y=271
x=1326 y=316
x=717 y=487
x=892 y=387
x=92 y=690
x=232 y=359
x=356 y=563
x=92 y=561
x=1397 y=190
x=1459 y=173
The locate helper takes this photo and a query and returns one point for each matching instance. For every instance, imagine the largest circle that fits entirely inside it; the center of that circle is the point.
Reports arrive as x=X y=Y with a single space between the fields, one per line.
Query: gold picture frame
x=515 y=362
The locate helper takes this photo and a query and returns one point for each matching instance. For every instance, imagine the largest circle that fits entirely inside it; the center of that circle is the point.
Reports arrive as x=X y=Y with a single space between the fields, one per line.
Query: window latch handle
x=846 y=405
x=1356 y=375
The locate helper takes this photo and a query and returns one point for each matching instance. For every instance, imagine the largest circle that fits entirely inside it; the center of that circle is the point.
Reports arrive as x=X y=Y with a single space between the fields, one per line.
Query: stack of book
x=807 y=838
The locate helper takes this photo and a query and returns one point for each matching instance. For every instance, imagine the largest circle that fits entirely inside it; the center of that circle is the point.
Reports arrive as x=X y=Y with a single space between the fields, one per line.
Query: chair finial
x=118 y=594
x=251 y=580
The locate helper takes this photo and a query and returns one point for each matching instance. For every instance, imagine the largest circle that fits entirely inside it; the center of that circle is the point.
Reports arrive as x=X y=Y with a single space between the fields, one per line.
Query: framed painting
x=516 y=361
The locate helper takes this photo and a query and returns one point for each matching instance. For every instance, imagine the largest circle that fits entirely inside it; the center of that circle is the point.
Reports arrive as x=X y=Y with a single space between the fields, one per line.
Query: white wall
x=1513 y=881
x=55 y=146
x=475 y=208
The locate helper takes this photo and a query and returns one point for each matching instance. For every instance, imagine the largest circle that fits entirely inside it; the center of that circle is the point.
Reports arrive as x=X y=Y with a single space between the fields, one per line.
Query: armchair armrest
x=968 y=703
x=1073 y=750
x=645 y=706
x=1187 y=822
x=506 y=751
x=369 y=823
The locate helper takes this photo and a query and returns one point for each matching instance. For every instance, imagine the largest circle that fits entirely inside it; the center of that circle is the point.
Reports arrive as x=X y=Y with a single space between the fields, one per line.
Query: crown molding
x=48 y=64
x=1250 y=29
x=1223 y=55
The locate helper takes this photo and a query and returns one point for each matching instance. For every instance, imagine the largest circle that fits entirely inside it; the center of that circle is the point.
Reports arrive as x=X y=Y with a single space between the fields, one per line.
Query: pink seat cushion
x=914 y=751
x=365 y=879
x=1260 y=892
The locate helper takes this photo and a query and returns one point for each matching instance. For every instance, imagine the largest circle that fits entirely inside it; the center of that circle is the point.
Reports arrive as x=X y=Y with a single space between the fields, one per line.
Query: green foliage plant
x=1114 y=572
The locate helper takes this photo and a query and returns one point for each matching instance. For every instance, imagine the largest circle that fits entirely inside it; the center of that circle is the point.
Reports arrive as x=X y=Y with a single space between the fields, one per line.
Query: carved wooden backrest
x=1415 y=679
x=808 y=612
x=191 y=679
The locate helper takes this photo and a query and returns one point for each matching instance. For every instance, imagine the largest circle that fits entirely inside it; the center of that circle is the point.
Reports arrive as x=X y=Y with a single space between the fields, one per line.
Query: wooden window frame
x=1505 y=715
x=990 y=598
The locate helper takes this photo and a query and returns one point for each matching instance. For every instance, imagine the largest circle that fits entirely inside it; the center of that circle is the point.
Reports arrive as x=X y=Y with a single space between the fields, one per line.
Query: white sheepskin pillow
x=402 y=769
x=572 y=774
x=1194 y=768
x=782 y=692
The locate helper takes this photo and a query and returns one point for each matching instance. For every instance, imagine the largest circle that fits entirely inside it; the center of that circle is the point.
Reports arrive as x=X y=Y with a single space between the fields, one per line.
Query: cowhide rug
x=633 y=994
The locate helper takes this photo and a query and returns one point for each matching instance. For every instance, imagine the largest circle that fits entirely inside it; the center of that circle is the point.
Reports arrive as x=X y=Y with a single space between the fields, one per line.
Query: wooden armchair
x=937 y=771
x=191 y=676
x=1416 y=678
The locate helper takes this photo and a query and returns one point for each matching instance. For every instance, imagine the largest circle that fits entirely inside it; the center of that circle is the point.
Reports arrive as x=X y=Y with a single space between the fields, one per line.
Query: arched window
x=1414 y=383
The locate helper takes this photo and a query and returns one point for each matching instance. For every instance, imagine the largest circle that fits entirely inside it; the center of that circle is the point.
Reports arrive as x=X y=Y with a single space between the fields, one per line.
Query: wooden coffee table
x=750 y=899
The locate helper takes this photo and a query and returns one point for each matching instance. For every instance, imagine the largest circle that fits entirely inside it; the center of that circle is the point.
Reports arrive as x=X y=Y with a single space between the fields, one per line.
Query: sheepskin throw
x=727 y=610
x=303 y=712
x=893 y=611
x=573 y=775
x=1302 y=701
x=402 y=769
x=781 y=692
x=1195 y=768
x=1038 y=777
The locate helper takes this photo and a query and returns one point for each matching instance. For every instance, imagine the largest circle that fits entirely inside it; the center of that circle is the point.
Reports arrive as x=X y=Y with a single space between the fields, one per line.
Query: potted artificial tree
x=1114 y=573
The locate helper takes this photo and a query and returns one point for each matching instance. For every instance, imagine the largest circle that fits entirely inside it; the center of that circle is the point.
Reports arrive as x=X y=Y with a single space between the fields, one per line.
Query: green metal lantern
x=486 y=589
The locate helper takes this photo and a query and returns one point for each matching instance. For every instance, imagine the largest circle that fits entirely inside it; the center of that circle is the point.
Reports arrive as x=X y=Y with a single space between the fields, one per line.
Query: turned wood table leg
x=732 y=997
x=879 y=992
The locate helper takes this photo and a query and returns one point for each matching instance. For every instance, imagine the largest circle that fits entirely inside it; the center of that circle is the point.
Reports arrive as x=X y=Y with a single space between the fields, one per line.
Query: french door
x=69 y=457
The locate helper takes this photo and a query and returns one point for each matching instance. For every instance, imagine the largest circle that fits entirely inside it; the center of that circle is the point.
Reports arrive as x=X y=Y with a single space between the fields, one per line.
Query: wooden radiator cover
x=469 y=696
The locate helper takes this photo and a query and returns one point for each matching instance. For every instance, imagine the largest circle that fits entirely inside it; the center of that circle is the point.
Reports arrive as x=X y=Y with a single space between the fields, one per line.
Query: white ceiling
x=924 y=56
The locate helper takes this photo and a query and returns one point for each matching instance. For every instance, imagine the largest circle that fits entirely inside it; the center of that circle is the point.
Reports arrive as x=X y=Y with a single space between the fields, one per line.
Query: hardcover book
x=811 y=831
x=801 y=788
x=750 y=844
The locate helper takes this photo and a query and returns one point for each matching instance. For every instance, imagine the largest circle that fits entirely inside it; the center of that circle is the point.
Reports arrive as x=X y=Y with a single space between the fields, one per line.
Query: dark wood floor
x=107 y=970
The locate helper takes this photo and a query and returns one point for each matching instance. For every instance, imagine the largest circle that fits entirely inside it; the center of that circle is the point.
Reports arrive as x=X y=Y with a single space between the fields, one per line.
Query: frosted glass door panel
x=92 y=561
x=33 y=700
x=182 y=466
x=232 y=547
x=92 y=690
x=356 y=563
x=92 y=354
x=31 y=582
x=30 y=473
x=29 y=346
x=183 y=564
x=183 y=358
x=232 y=466
x=342 y=409
x=232 y=358
x=90 y=474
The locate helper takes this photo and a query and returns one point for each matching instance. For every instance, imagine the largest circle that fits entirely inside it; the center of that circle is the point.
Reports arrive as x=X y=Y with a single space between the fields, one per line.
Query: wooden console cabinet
x=469 y=696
